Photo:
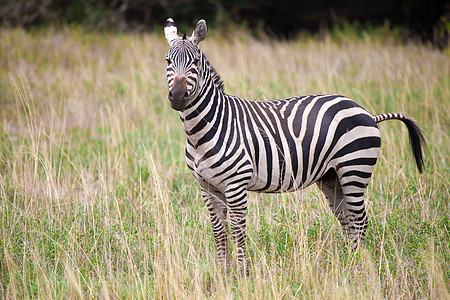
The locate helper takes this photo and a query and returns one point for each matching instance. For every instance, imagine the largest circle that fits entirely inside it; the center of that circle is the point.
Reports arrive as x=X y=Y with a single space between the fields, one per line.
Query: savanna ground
x=96 y=200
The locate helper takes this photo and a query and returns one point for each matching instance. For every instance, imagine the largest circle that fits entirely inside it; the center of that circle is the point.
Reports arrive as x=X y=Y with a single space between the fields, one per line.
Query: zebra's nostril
x=186 y=94
x=170 y=93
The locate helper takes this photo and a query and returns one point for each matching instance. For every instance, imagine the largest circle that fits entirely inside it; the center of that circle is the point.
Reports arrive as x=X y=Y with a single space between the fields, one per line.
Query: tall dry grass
x=96 y=201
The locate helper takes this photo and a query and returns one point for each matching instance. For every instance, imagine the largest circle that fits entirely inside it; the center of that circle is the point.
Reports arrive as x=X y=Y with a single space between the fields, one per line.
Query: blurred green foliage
x=425 y=18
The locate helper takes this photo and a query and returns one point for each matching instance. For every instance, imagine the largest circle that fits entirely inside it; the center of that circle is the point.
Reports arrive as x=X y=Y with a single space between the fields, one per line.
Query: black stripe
x=252 y=130
x=358 y=144
x=297 y=122
x=356 y=184
x=242 y=126
x=359 y=203
x=357 y=173
x=364 y=161
x=188 y=155
x=240 y=180
x=292 y=147
x=355 y=195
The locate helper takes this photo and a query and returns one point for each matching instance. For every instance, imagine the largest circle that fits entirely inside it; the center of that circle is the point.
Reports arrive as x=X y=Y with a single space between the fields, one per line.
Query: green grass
x=96 y=200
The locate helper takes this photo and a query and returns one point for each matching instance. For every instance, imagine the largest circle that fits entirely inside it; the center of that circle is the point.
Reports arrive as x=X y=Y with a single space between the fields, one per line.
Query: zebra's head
x=184 y=60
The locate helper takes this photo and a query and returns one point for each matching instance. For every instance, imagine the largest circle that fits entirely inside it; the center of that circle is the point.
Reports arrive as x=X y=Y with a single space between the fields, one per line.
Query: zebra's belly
x=282 y=179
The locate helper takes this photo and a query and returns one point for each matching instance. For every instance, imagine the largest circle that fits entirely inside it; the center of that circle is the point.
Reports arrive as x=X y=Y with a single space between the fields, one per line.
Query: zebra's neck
x=199 y=118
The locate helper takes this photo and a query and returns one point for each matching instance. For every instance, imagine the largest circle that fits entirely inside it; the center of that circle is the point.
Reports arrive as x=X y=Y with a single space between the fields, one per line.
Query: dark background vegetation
x=425 y=19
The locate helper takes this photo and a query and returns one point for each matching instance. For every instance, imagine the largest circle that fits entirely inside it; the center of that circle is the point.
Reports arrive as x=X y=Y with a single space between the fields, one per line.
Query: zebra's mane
x=214 y=75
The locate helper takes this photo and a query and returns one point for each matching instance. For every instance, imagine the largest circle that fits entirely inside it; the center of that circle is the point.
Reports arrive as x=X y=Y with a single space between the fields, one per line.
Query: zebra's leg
x=237 y=202
x=218 y=211
x=354 y=181
x=346 y=204
x=330 y=186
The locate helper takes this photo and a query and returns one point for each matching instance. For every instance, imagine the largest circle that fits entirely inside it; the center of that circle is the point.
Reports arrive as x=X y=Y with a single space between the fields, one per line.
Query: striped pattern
x=390 y=116
x=236 y=145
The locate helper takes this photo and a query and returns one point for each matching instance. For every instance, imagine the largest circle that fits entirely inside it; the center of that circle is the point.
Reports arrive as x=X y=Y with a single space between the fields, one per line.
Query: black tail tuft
x=416 y=137
x=417 y=140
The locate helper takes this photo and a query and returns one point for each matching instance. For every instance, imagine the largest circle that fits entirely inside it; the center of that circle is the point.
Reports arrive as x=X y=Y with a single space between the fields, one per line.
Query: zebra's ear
x=170 y=30
x=199 y=33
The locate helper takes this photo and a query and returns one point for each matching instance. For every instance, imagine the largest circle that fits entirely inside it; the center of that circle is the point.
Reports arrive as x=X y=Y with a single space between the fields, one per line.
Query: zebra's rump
x=294 y=142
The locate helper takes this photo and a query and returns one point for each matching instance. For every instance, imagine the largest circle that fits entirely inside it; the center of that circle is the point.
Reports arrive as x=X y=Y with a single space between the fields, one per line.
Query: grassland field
x=96 y=200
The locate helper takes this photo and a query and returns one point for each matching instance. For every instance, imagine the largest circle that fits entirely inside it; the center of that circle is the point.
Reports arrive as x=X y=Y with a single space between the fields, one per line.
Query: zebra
x=236 y=145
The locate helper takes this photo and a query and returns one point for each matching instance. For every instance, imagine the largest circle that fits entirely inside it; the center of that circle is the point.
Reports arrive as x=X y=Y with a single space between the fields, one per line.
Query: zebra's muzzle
x=178 y=95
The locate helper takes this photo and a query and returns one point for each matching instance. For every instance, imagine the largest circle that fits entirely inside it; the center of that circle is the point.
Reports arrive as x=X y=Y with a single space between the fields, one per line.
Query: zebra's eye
x=168 y=61
x=196 y=60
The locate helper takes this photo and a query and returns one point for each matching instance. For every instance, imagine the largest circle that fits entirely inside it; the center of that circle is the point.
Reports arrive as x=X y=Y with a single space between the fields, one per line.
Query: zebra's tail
x=416 y=137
